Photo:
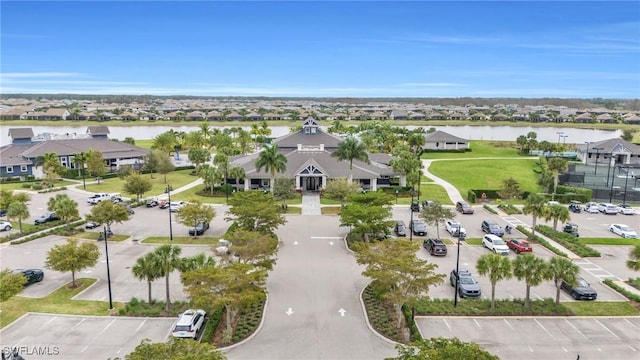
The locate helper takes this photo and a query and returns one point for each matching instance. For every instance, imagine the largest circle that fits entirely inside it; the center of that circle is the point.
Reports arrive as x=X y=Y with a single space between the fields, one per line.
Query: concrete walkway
x=311 y=204
x=453 y=193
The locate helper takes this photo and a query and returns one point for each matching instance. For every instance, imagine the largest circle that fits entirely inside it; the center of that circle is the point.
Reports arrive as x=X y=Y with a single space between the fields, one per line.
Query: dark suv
x=400 y=229
x=32 y=275
x=46 y=218
x=464 y=208
x=415 y=206
x=492 y=227
x=200 y=228
x=435 y=247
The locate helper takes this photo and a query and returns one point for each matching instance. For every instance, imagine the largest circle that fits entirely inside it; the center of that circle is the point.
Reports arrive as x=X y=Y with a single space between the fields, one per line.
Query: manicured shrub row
x=248 y=321
x=41 y=227
x=136 y=307
x=413 y=328
x=628 y=294
x=514 y=307
x=52 y=190
x=541 y=241
x=509 y=209
x=213 y=320
x=61 y=230
x=490 y=209
x=569 y=241
x=381 y=315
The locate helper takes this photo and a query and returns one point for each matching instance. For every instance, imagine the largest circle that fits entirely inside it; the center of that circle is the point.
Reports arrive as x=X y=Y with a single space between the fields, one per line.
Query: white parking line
x=543 y=328
x=50 y=320
x=630 y=323
x=448 y=326
x=530 y=349
x=326 y=237
x=85 y=348
x=575 y=328
x=506 y=322
x=139 y=327
x=105 y=328
x=606 y=328
x=631 y=347
x=477 y=323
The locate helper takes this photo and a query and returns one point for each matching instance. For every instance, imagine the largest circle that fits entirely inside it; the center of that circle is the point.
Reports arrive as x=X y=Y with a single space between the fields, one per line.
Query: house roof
x=12 y=154
x=614 y=145
x=21 y=133
x=110 y=149
x=441 y=136
x=320 y=137
x=98 y=130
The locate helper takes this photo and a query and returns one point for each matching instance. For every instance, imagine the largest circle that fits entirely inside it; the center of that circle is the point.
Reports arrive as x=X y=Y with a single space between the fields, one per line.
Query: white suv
x=189 y=324
x=176 y=205
x=495 y=244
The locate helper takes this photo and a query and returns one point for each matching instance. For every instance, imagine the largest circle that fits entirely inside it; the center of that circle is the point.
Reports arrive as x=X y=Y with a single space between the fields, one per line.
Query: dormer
x=98 y=132
x=310 y=126
x=21 y=135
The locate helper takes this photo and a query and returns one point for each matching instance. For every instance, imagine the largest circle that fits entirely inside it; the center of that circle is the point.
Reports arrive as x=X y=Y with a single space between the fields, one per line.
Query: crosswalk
x=513 y=221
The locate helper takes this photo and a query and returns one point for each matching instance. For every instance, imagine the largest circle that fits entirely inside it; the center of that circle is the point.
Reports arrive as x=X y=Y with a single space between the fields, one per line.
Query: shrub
x=490 y=209
x=509 y=209
x=628 y=294
x=471 y=196
x=568 y=241
x=541 y=241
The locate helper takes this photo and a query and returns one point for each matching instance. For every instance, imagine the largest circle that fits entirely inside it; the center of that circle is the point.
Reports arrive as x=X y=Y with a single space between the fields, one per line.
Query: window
x=23 y=168
x=9 y=169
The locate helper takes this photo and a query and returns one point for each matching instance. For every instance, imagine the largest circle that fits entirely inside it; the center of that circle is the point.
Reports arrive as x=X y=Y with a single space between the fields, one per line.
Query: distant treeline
x=620 y=104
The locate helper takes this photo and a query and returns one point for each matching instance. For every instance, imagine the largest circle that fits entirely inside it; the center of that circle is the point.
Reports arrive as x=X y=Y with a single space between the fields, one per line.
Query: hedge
x=628 y=294
x=568 y=241
x=541 y=241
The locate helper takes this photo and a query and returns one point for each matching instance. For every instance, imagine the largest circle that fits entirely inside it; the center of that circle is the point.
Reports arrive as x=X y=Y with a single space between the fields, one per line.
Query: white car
x=626 y=210
x=452 y=226
x=593 y=209
x=189 y=324
x=608 y=208
x=590 y=204
x=223 y=247
x=176 y=205
x=5 y=226
x=623 y=230
x=495 y=244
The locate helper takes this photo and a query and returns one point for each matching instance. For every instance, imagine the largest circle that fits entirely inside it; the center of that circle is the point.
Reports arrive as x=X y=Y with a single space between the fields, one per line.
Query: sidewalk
x=453 y=193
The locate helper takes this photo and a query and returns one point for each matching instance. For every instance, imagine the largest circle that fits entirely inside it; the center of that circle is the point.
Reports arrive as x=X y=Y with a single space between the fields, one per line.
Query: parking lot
x=81 y=337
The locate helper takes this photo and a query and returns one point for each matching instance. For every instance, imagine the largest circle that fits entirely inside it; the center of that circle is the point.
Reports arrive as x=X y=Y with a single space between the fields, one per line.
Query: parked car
x=163 y=204
x=51 y=216
x=435 y=247
x=454 y=227
x=467 y=284
x=552 y=203
x=418 y=227
x=415 y=206
x=427 y=203
x=130 y=211
x=189 y=324
x=581 y=290
x=91 y=225
x=32 y=275
x=224 y=247
x=571 y=228
x=176 y=205
x=464 y=208
x=623 y=230
x=608 y=209
x=116 y=198
x=151 y=203
x=519 y=246
x=492 y=227
x=400 y=229
x=3 y=212
x=590 y=204
x=199 y=229
x=593 y=209
x=5 y=226
x=495 y=244
x=575 y=206
x=626 y=210
x=96 y=198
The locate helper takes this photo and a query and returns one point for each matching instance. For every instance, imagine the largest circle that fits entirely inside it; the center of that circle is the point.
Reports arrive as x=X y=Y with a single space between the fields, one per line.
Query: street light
x=586 y=153
x=595 y=172
x=412 y=192
x=106 y=253
x=560 y=133
x=396 y=196
x=564 y=139
x=455 y=298
x=84 y=184
x=168 y=191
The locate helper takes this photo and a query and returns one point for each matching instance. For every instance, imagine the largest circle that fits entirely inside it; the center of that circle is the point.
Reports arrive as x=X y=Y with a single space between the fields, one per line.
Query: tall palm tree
x=556 y=166
x=351 y=149
x=532 y=270
x=236 y=172
x=167 y=259
x=496 y=267
x=536 y=206
x=557 y=213
x=255 y=131
x=145 y=269
x=560 y=268
x=205 y=130
x=272 y=161
x=18 y=210
x=634 y=259
x=64 y=207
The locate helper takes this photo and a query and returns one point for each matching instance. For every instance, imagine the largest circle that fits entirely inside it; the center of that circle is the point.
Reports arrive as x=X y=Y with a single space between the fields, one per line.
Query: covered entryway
x=311 y=178
x=312 y=183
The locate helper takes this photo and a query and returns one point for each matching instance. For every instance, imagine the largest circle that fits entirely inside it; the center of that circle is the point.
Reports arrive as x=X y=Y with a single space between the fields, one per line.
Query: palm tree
x=416 y=142
x=236 y=172
x=556 y=166
x=634 y=259
x=535 y=205
x=560 y=268
x=18 y=210
x=205 y=130
x=167 y=259
x=145 y=269
x=351 y=149
x=209 y=174
x=64 y=207
x=497 y=267
x=255 y=131
x=557 y=213
x=272 y=162
x=532 y=270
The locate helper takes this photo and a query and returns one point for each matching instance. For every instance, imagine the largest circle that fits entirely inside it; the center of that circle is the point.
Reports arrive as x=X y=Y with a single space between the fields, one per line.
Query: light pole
x=168 y=190
x=626 y=179
x=396 y=196
x=586 y=152
x=455 y=298
x=609 y=170
x=412 y=192
x=560 y=133
x=595 y=172
x=84 y=184
x=106 y=253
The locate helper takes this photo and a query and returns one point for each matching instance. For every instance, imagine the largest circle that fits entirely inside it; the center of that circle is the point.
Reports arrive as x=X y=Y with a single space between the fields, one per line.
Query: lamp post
x=84 y=184
x=396 y=196
x=595 y=172
x=626 y=179
x=586 y=152
x=412 y=192
x=106 y=253
x=226 y=187
x=455 y=298
x=609 y=170
x=560 y=133
x=168 y=191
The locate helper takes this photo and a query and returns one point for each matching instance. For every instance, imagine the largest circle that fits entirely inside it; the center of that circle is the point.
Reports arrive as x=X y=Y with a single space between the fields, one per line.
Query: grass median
x=182 y=240
x=601 y=308
x=175 y=178
x=58 y=302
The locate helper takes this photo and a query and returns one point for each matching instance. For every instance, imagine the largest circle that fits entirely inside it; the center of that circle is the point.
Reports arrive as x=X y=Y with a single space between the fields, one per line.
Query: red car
x=519 y=246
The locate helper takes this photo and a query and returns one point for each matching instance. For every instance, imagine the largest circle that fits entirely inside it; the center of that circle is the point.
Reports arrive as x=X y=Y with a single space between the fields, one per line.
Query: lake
x=508 y=133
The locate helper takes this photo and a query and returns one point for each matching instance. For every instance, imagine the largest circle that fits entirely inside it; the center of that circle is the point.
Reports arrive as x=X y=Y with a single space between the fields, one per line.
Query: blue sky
x=327 y=49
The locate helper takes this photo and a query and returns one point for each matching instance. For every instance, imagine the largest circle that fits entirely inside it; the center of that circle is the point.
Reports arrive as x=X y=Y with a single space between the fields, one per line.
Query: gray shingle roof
x=613 y=145
x=292 y=140
x=98 y=130
x=110 y=149
x=441 y=136
x=21 y=133
x=12 y=154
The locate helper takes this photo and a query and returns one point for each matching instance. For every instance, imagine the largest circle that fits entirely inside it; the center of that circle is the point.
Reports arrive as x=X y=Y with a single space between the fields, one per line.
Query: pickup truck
x=96 y=198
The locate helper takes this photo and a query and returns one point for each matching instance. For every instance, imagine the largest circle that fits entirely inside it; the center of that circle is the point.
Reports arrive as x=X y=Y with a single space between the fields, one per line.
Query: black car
x=581 y=290
x=435 y=247
x=464 y=208
x=415 y=206
x=91 y=225
x=575 y=207
x=3 y=212
x=492 y=227
x=418 y=227
x=46 y=218
x=200 y=228
x=32 y=275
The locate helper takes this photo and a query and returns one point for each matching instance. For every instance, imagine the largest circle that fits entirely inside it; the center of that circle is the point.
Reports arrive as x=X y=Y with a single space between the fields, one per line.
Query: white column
x=298 y=186
x=324 y=181
x=247 y=181
x=403 y=180
x=374 y=184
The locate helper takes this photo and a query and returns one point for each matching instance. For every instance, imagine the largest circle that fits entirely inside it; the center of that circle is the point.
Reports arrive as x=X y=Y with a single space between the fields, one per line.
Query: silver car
x=467 y=285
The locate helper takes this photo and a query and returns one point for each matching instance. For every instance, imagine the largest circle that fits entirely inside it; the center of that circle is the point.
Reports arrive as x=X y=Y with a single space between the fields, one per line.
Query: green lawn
x=59 y=302
x=601 y=308
x=486 y=174
x=146 y=144
x=175 y=178
x=182 y=240
x=608 y=241
x=90 y=235
x=480 y=148
x=18 y=185
x=190 y=194
x=330 y=210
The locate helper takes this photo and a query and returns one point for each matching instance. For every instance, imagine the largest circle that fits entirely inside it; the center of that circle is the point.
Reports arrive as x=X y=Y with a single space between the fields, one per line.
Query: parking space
x=550 y=338
x=82 y=337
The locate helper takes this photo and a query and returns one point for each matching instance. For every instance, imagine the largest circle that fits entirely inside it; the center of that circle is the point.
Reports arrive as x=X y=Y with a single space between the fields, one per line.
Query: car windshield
x=466 y=280
x=182 y=328
x=494 y=227
x=498 y=242
x=582 y=283
x=625 y=228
